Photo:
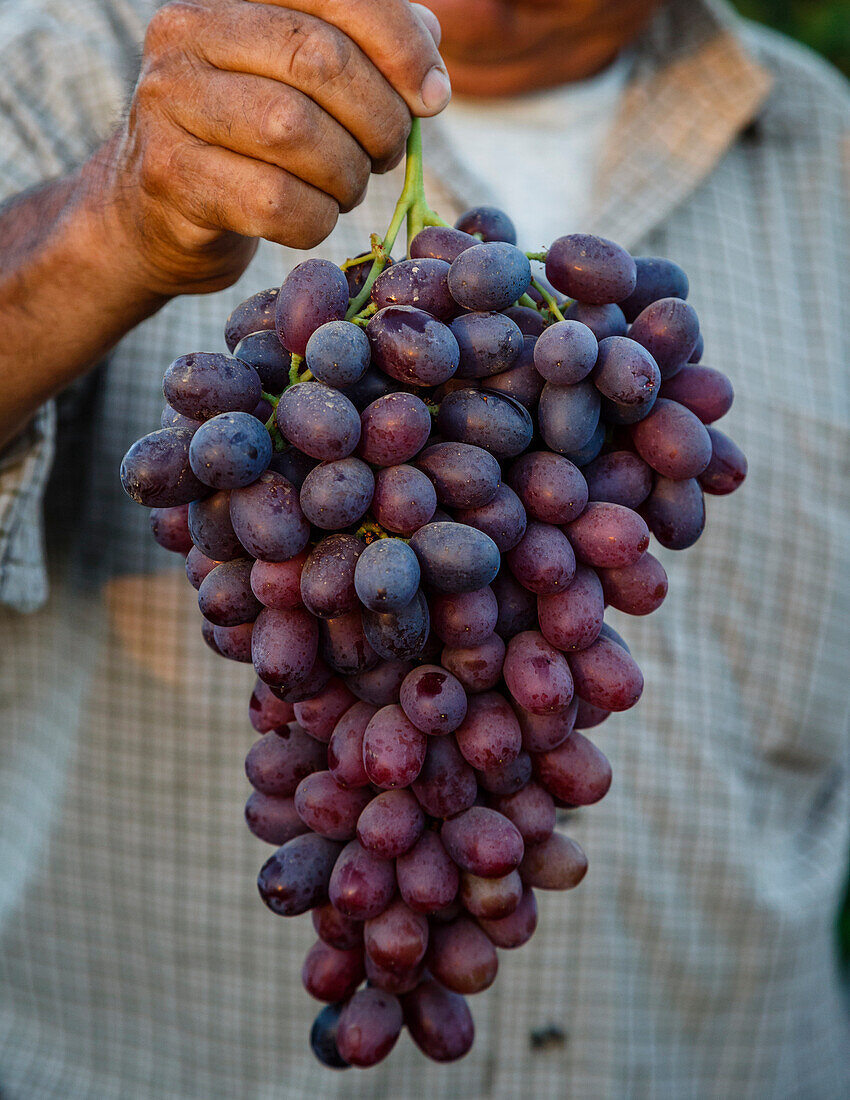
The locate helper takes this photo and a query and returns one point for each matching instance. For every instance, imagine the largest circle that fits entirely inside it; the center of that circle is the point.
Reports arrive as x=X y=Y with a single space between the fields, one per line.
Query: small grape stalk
x=407 y=496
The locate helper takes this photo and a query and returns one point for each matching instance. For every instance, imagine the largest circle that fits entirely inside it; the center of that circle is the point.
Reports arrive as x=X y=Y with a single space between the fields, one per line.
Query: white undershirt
x=539 y=152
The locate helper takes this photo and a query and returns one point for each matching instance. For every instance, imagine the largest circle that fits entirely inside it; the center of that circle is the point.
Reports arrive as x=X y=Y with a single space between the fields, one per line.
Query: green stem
x=541 y=256
x=270 y=397
x=295 y=370
x=551 y=304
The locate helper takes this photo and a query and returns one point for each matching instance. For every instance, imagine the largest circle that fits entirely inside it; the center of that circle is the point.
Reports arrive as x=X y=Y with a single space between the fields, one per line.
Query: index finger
x=396 y=40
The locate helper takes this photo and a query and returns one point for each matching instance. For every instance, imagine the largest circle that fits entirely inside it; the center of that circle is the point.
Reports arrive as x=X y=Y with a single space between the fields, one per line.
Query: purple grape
x=591 y=269
x=170 y=528
x=277 y=584
x=266 y=711
x=479 y=667
x=531 y=810
x=412 y=346
x=497 y=423
x=628 y=376
x=551 y=488
x=675 y=512
x=337 y=494
x=327 y=579
x=556 y=864
x=292 y=464
x=568 y=415
x=489 y=735
x=505 y=778
x=522 y=381
x=397 y=984
x=370 y=387
x=727 y=468
x=489 y=222
x=233 y=642
x=418 y=282
x=284 y=646
x=606 y=676
x=208 y=634
x=393 y=429
x=537 y=675
x=265 y=353
x=156 y=471
x=433 y=700
x=380 y=685
x=336 y=930
x=397 y=939
x=637 y=589
x=404 y=499
x=344 y=646
x=268 y=520
x=488 y=343
x=530 y=322
x=362 y=885
x=438 y=242
x=368 y=1027
x=319 y=713
x=603 y=321
x=313 y=293
x=345 y=748
x=323 y=1038
x=463 y=476
x=319 y=420
x=706 y=392
x=461 y=957
x=699 y=348
x=515 y=929
x=483 y=842
x=439 y=1021
x=673 y=441
x=427 y=878
x=332 y=974
x=566 y=353
x=668 y=329
x=454 y=557
x=572 y=619
x=588 y=716
x=356 y=274
x=386 y=576
x=393 y=748
x=619 y=477
x=230 y=451
x=327 y=808
x=491 y=898
x=273 y=819
x=391 y=824
x=503 y=518
x=338 y=354
x=543 y=560
x=446 y=784
x=296 y=877
x=277 y=762
x=398 y=635
x=170 y=418
x=255 y=314
x=542 y=732
x=590 y=450
x=204 y=383
x=298 y=691
x=575 y=772
x=656 y=278
x=517 y=606
x=225 y=596
x=464 y=619
x=608 y=535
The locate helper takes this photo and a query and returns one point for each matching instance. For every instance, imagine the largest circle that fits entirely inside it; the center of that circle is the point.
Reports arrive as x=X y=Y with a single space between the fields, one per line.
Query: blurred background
x=822 y=24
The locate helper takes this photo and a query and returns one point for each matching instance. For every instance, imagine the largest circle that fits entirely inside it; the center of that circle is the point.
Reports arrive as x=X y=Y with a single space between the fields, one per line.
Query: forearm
x=70 y=288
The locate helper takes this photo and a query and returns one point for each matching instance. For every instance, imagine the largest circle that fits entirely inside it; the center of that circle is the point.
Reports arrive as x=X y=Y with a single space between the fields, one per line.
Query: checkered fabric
x=697 y=958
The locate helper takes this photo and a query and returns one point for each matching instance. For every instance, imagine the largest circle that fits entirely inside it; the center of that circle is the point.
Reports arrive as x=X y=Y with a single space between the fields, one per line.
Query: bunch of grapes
x=407 y=496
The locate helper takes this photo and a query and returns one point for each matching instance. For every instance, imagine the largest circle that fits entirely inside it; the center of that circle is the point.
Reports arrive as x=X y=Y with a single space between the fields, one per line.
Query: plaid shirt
x=697 y=958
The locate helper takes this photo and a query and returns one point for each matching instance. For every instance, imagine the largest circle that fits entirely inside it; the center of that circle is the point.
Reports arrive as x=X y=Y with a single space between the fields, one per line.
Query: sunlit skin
x=506 y=47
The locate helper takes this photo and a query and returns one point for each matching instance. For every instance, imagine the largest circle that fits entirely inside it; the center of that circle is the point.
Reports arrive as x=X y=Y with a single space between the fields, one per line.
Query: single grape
x=603 y=321
x=637 y=589
x=489 y=276
x=337 y=494
x=446 y=784
x=319 y=420
x=606 y=675
x=706 y=392
x=566 y=353
x=344 y=645
x=156 y=470
x=399 y=635
x=461 y=956
x=368 y=1027
x=277 y=584
x=292 y=464
x=266 y=711
x=170 y=418
x=328 y=809
x=488 y=343
x=491 y=898
x=345 y=748
x=588 y=716
x=225 y=597
x=356 y=274
x=427 y=878
x=204 y=383
x=433 y=700
x=323 y=1038
x=438 y=242
x=234 y=642
x=397 y=984
x=386 y=576
x=479 y=667
x=551 y=488
x=568 y=415
x=230 y=451
x=489 y=222
x=591 y=449
x=572 y=619
x=675 y=512
x=170 y=528
x=531 y=810
x=313 y=293
x=380 y=685
x=464 y=619
x=673 y=441
x=404 y=499
x=530 y=322
x=497 y=423
x=463 y=476
x=541 y=732
x=273 y=819
x=521 y=381
x=267 y=518
x=284 y=646
x=656 y=278
x=508 y=777
x=489 y=735
x=483 y=842
x=418 y=282
x=393 y=429
x=537 y=675
x=556 y=864
x=277 y=762
x=327 y=579
x=727 y=467
x=318 y=714
x=628 y=376
x=591 y=269
x=336 y=930
x=517 y=606
x=255 y=314
x=502 y=518
x=619 y=477
x=411 y=346
x=668 y=329
x=515 y=929
x=393 y=748
x=454 y=557
x=362 y=885
x=265 y=353
x=543 y=560
x=397 y=939
x=338 y=353
x=575 y=772
x=608 y=535
x=391 y=824
x=439 y=1021
x=296 y=877
x=332 y=974
x=298 y=690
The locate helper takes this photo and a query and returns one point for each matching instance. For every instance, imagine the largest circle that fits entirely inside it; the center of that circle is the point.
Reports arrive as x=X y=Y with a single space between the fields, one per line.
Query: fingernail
x=436 y=90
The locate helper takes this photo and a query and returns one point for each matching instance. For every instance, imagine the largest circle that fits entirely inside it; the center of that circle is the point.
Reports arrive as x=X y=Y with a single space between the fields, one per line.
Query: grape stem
x=295 y=370
x=412 y=206
x=370 y=530
x=551 y=304
x=541 y=256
